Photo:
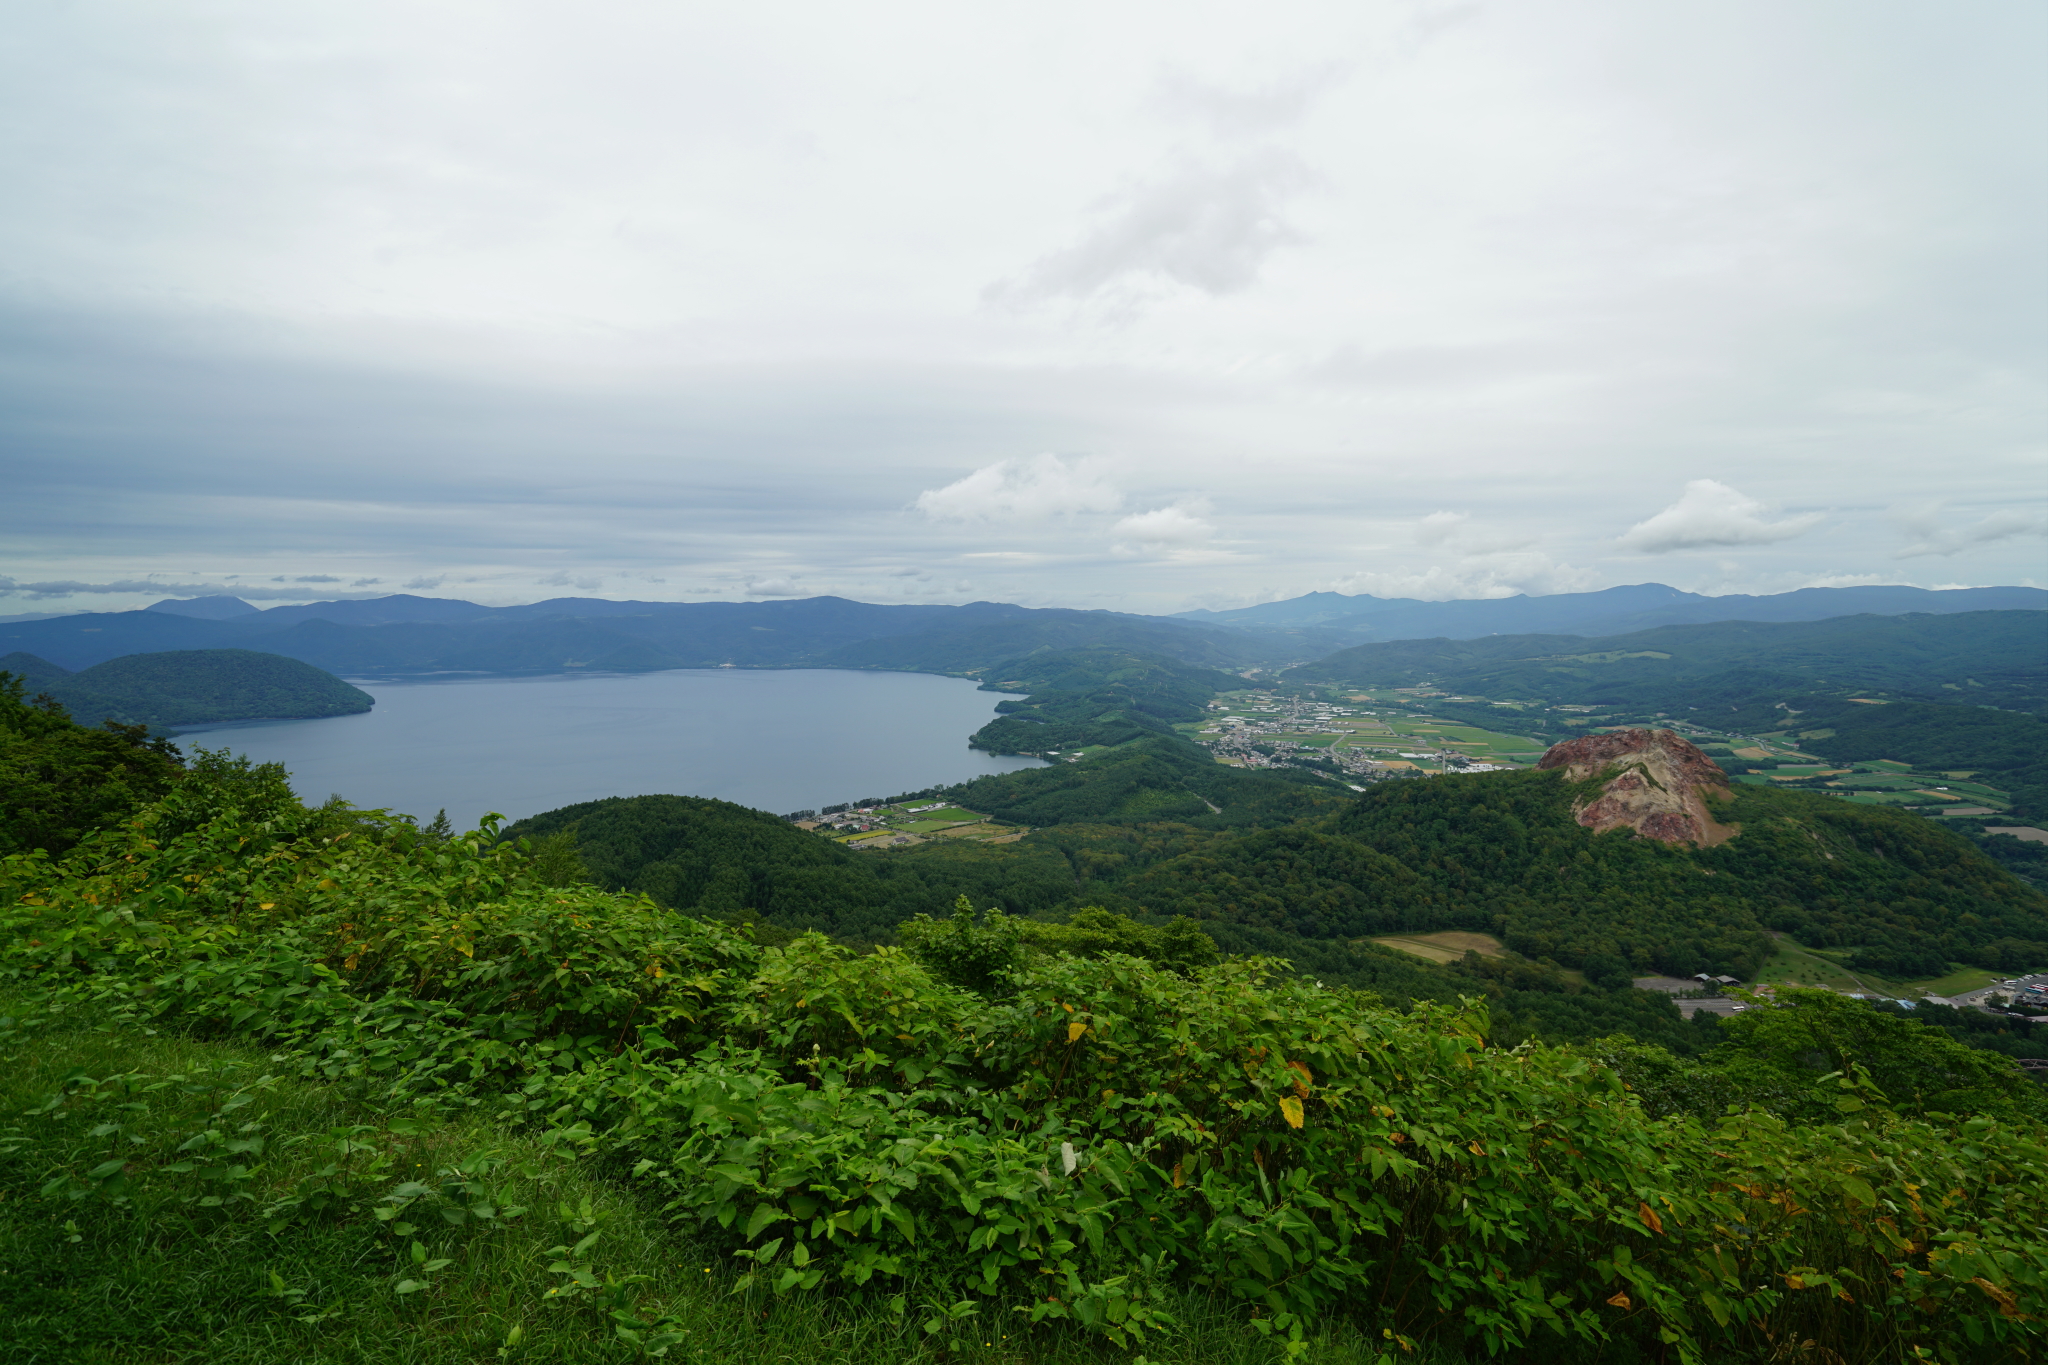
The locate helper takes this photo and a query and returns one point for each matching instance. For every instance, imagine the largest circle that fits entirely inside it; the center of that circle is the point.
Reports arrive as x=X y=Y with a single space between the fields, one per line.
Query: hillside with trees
x=59 y=780
x=1094 y=696
x=203 y=686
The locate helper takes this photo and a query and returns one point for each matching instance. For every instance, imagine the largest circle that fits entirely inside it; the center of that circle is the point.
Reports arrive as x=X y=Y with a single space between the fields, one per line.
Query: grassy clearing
x=1449 y=946
x=201 y=1266
x=1798 y=966
x=1956 y=982
x=1795 y=965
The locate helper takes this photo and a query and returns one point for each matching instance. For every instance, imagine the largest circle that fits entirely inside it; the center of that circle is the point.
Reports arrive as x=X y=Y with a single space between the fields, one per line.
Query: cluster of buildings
x=1255 y=741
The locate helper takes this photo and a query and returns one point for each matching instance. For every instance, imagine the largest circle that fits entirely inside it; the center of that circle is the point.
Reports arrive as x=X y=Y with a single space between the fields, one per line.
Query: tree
x=59 y=780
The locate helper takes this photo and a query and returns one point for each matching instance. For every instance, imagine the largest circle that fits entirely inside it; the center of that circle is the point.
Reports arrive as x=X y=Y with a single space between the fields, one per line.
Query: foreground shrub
x=1082 y=1135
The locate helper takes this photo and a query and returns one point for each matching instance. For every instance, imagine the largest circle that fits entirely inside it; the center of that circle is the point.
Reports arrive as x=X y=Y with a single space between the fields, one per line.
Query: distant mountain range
x=1611 y=611
x=387 y=636
x=1996 y=658
x=408 y=635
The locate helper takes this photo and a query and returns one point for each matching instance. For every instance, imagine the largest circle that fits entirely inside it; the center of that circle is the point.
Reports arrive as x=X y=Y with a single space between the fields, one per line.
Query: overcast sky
x=1131 y=305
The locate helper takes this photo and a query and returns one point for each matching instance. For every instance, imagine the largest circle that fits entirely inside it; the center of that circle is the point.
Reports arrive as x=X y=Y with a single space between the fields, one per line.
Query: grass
x=1799 y=966
x=171 y=1266
x=1449 y=946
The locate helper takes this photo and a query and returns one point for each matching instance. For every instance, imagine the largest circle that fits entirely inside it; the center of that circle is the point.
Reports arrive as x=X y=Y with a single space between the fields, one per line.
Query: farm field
x=890 y=823
x=1448 y=946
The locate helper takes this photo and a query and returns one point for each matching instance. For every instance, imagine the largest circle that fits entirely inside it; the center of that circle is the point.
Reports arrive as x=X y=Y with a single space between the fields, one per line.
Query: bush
x=1085 y=1134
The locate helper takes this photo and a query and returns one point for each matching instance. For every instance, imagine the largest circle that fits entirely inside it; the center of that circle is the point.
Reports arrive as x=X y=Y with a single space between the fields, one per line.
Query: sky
x=1142 y=306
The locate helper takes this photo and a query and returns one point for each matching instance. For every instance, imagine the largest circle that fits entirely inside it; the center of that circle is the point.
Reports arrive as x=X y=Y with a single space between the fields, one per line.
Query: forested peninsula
x=193 y=687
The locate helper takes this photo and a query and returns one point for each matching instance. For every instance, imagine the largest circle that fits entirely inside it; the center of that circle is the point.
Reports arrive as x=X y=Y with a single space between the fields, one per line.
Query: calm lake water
x=777 y=740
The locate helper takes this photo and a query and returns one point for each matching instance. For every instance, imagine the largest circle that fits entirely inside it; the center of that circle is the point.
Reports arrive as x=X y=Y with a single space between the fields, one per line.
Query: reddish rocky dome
x=1658 y=785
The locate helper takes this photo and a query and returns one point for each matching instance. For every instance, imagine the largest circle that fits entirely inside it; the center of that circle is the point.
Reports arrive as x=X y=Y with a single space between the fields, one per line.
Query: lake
x=777 y=740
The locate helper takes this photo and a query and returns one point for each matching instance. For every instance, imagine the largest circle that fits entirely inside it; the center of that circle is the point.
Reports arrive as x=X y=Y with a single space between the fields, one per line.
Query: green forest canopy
x=202 y=686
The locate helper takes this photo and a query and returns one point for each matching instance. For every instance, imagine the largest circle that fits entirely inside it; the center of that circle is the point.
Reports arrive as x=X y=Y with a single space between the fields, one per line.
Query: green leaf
x=764 y=1215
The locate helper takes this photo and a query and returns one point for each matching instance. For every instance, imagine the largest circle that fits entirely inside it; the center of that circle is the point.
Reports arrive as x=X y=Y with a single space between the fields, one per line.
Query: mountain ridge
x=1608 y=611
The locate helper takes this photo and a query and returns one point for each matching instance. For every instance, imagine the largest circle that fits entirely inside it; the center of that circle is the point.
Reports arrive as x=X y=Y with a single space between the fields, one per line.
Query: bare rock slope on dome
x=1658 y=785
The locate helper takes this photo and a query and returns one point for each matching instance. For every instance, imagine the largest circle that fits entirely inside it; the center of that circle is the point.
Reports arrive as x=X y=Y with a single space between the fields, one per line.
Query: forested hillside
x=1093 y=696
x=198 y=686
x=1500 y=853
x=716 y=859
x=1304 y=868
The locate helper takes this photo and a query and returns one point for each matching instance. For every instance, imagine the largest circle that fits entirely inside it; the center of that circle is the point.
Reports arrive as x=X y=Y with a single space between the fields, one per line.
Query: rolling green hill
x=33 y=672
x=716 y=859
x=1093 y=696
x=1500 y=853
x=201 y=686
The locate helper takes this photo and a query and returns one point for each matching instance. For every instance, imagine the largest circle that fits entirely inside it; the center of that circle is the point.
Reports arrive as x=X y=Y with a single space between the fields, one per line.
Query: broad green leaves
x=1093 y=1131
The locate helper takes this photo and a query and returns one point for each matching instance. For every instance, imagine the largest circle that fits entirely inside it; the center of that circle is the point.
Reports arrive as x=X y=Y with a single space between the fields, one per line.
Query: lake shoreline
x=775 y=739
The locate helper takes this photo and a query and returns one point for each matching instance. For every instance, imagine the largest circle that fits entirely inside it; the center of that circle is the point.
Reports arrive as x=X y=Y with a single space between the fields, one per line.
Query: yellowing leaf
x=2007 y=1304
x=1290 y=1109
x=1177 y=1180
x=1620 y=1299
x=267 y=905
x=1074 y=1031
x=1650 y=1219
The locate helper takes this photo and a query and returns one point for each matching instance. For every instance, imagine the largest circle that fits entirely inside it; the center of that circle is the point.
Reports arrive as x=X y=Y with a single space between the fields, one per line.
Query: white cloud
x=1206 y=228
x=1711 y=513
x=1932 y=538
x=1180 y=524
x=776 y=587
x=1031 y=489
x=1177 y=533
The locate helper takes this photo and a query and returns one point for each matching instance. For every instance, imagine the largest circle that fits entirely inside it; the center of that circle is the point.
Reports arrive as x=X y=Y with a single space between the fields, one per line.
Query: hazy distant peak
x=204 y=608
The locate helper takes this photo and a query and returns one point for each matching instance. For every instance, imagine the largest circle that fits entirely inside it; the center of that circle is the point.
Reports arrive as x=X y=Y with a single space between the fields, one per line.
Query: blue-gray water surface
x=777 y=740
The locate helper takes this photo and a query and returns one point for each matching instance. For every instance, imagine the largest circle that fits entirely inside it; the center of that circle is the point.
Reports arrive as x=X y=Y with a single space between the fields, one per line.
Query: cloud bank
x=508 y=300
